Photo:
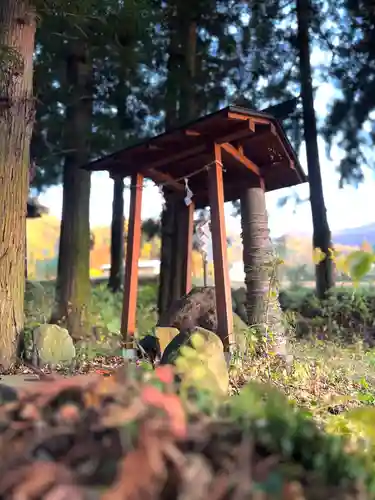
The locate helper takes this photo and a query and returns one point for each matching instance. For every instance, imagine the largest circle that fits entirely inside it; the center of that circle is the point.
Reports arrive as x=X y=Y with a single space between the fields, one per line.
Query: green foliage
x=113 y=33
x=360 y=264
x=351 y=39
x=290 y=433
x=316 y=418
x=201 y=363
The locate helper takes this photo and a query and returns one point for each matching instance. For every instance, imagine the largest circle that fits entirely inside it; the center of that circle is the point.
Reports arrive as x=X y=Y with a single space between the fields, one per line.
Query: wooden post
x=205 y=268
x=178 y=253
x=128 y=320
x=182 y=252
x=219 y=247
x=188 y=249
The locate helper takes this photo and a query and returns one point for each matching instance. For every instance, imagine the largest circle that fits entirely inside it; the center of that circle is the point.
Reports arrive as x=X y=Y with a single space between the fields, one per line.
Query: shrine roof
x=253 y=144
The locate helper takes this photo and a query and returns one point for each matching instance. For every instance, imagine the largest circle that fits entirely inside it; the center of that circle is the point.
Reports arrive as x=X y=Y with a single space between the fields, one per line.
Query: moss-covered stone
x=54 y=344
x=200 y=361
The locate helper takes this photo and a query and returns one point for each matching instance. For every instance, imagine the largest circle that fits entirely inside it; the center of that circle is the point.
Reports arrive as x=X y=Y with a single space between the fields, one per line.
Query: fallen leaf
x=33 y=480
x=171 y=404
x=138 y=478
x=69 y=413
x=165 y=374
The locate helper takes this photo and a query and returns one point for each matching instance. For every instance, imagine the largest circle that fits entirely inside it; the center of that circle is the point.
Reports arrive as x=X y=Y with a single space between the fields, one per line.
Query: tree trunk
x=17 y=31
x=262 y=304
x=166 y=253
x=181 y=97
x=168 y=213
x=117 y=236
x=73 y=279
x=187 y=112
x=188 y=107
x=322 y=234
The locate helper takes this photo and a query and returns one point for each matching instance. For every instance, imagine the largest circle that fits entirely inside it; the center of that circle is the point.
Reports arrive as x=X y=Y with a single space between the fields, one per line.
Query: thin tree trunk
x=322 y=233
x=117 y=236
x=17 y=32
x=73 y=279
x=262 y=304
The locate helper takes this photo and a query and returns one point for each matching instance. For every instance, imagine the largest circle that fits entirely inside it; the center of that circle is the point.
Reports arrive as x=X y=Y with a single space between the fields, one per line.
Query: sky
x=346 y=208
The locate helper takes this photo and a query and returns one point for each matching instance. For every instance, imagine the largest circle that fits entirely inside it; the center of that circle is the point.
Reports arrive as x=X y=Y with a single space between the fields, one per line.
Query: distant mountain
x=356 y=236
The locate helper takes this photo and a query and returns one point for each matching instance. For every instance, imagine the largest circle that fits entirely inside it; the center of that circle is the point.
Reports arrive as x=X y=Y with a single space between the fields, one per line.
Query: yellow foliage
x=197 y=264
x=102 y=235
x=318 y=256
x=96 y=273
x=42 y=236
x=146 y=250
x=342 y=263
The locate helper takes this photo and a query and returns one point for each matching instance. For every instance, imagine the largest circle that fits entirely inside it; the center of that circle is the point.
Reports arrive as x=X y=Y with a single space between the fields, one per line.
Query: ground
x=298 y=432
x=331 y=364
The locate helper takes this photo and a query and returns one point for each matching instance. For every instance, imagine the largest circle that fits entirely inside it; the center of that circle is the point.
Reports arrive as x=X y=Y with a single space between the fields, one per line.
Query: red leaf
x=171 y=404
x=165 y=374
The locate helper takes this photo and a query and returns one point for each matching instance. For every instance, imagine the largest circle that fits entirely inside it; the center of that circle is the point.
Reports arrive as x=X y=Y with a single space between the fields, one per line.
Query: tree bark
x=322 y=233
x=188 y=107
x=262 y=304
x=117 y=236
x=166 y=253
x=187 y=112
x=17 y=32
x=73 y=278
x=168 y=213
x=181 y=109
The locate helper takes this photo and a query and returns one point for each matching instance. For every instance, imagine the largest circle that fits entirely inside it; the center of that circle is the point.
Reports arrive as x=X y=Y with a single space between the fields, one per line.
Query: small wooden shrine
x=207 y=162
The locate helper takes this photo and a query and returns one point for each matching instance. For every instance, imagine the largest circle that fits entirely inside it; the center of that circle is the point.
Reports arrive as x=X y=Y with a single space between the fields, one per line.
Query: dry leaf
x=171 y=404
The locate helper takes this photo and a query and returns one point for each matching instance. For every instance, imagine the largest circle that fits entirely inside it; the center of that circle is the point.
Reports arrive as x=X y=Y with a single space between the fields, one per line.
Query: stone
x=199 y=358
x=165 y=335
x=54 y=344
x=198 y=309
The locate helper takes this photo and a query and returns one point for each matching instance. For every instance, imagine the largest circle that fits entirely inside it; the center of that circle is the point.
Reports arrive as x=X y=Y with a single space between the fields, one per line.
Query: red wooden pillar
x=128 y=319
x=219 y=247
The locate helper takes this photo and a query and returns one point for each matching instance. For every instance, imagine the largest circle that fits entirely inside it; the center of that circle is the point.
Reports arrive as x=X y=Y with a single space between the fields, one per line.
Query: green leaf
x=197 y=341
x=360 y=264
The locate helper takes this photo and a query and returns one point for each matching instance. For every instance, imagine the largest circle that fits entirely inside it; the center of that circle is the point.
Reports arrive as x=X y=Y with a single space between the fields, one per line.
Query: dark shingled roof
x=185 y=151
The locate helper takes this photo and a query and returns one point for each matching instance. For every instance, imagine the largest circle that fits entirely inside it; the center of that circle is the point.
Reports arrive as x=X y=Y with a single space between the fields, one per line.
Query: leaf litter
x=131 y=436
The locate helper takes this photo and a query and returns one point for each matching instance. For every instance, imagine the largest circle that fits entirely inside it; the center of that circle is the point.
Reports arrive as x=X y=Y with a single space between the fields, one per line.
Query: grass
x=332 y=380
